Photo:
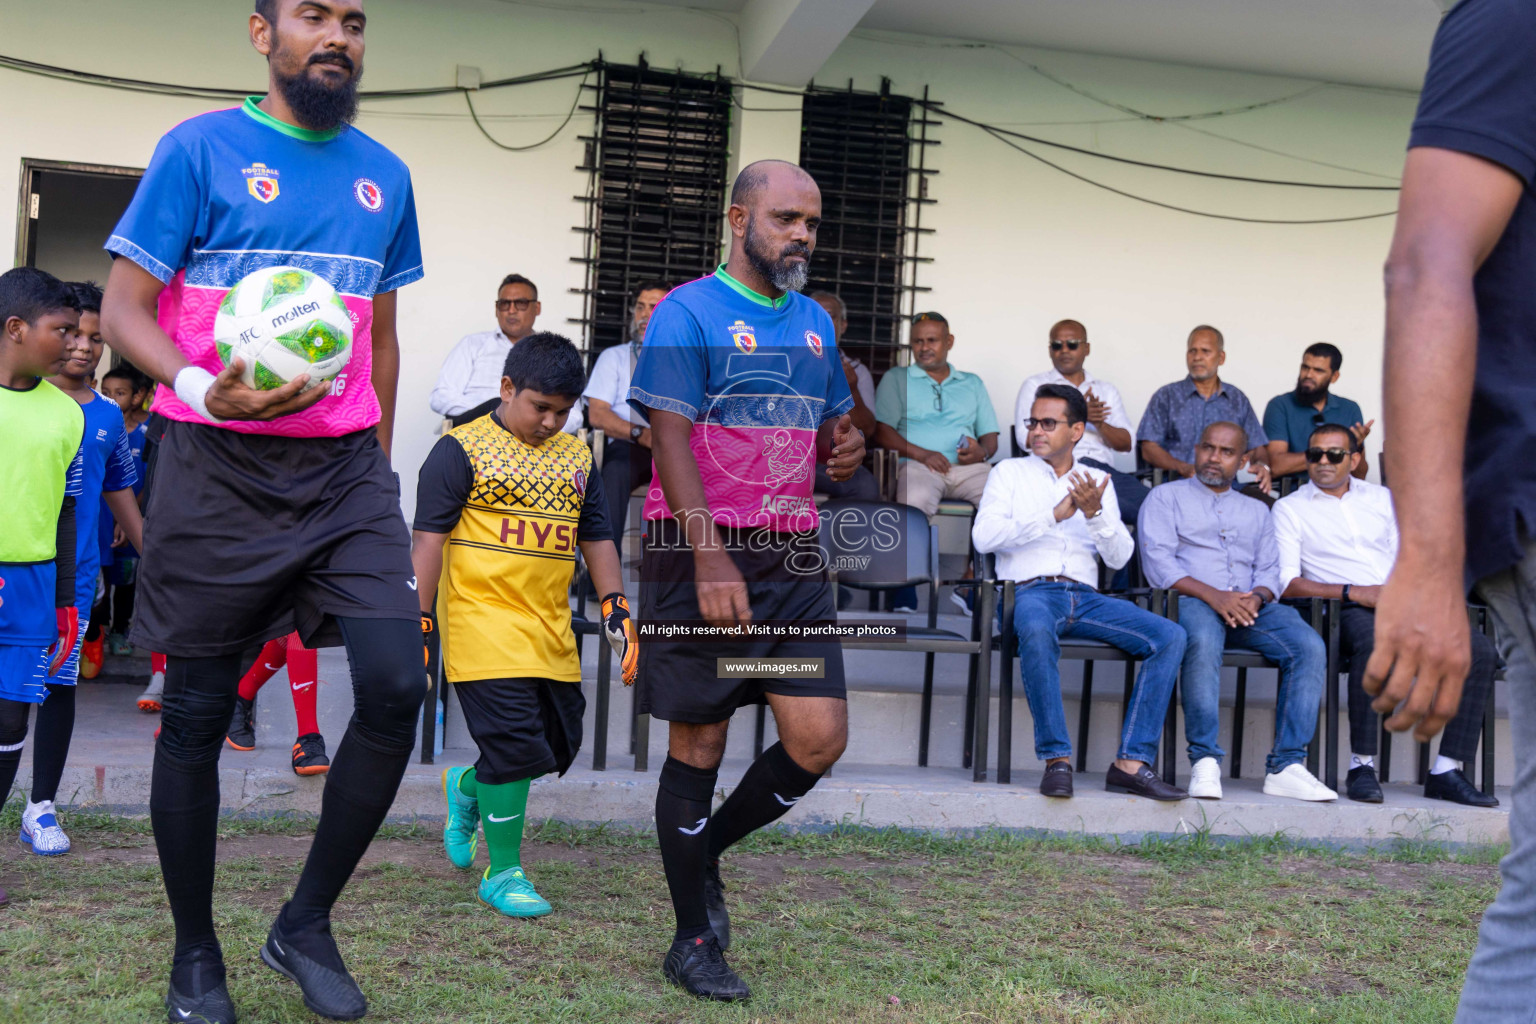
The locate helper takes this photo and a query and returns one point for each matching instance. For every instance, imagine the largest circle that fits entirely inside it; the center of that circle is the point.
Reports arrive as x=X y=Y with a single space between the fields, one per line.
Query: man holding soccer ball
x=274 y=510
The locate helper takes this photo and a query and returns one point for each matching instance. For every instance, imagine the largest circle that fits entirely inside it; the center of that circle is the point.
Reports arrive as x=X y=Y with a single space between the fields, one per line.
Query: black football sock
x=388 y=685
x=771 y=786
x=13 y=737
x=184 y=807
x=683 y=797
x=50 y=741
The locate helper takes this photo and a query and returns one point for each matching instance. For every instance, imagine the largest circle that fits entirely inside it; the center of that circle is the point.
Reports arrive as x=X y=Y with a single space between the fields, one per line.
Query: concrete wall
x=1017 y=246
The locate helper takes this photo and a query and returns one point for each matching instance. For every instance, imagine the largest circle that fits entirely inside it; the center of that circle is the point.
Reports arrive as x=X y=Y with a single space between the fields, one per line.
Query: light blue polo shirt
x=935 y=415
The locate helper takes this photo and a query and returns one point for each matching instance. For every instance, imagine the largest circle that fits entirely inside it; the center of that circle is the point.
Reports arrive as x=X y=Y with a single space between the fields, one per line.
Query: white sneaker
x=40 y=830
x=149 y=700
x=1205 y=779
x=1298 y=784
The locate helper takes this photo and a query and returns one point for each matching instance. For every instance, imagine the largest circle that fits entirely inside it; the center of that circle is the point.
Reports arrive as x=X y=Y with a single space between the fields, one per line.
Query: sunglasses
x=1045 y=423
x=1333 y=455
x=1057 y=346
x=502 y=305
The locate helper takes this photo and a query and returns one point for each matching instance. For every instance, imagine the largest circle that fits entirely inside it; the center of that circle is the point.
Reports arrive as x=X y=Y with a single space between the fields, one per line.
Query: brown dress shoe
x=1144 y=783
x=1057 y=780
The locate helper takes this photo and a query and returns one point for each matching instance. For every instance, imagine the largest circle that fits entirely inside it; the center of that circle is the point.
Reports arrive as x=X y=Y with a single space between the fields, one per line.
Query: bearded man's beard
x=777 y=268
x=317 y=105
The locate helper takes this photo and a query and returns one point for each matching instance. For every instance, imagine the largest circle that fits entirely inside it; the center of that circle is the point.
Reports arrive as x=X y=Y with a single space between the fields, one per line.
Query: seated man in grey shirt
x=1216 y=548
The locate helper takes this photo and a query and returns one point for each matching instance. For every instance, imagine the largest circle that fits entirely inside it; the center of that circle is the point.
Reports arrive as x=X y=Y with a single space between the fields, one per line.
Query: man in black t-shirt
x=1460 y=416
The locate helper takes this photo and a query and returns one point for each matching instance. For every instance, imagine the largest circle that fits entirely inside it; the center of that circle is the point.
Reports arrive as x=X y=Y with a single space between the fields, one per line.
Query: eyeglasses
x=938 y=396
x=1045 y=423
x=521 y=304
x=1333 y=455
x=1074 y=345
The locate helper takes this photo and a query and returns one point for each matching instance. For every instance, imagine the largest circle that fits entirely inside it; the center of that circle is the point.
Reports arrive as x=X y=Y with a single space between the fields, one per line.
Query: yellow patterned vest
x=510 y=559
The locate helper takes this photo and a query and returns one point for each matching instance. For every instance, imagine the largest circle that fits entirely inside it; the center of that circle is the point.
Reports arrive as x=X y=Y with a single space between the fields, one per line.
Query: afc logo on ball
x=261 y=181
x=368 y=195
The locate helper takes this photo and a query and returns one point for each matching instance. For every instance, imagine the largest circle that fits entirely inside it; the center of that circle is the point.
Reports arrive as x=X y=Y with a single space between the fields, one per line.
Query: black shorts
x=523 y=727
x=248 y=537
x=679 y=681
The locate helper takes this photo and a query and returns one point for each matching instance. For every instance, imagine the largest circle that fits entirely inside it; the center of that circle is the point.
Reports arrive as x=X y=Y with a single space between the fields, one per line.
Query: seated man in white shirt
x=469 y=384
x=1337 y=538
x=1108 y=429
x=627 y=453
x=1047 y=518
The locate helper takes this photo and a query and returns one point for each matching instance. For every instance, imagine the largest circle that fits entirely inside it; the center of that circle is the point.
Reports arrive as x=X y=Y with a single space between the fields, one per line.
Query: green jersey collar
x=293 y=131
x=748 y=293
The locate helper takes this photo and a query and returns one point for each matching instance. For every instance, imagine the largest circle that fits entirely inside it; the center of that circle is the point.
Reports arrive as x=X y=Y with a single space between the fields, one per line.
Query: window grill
x=867 y=154
x=656 y=202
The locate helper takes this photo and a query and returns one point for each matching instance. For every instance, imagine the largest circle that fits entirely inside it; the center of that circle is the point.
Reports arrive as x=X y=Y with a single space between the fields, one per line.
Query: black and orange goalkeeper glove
x=69 y=632
x=431 y=644
x=620 y=629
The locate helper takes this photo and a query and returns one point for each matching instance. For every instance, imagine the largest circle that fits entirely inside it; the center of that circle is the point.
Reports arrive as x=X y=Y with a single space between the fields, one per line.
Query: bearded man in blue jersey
x=742 y=384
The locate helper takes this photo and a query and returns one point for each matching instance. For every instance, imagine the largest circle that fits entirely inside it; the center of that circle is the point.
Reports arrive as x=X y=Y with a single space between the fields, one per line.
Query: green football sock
x=502 y=812
x=468 y=786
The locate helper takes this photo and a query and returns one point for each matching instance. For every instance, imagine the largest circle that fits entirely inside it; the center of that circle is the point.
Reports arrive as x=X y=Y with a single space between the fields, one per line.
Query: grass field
x=854 y=925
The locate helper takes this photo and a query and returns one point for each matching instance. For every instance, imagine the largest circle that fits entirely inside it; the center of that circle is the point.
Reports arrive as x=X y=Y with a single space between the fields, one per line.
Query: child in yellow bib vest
x=511 y=498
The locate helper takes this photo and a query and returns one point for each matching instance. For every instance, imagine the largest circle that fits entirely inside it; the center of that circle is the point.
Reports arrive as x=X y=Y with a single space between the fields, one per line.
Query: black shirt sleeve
x=443 y=486
x=1477 y=95
x=594 y=524
x=64 y=556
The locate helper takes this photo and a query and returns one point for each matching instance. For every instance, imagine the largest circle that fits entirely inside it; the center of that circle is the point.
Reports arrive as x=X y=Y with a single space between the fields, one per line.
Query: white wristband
x=191 y=386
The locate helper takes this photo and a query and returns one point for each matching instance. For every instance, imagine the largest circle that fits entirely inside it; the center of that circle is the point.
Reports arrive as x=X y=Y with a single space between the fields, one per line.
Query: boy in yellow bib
x=513 y=498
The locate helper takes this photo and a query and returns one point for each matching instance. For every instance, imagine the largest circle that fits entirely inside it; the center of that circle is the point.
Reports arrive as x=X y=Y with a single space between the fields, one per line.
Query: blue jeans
x=1281 y=635
x=1045 y=613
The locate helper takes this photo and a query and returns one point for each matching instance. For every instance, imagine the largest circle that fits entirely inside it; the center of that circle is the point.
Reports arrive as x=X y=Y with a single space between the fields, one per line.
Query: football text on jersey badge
x=368 y=194
x=744 y=337
x=261 y=181
x=814 y=341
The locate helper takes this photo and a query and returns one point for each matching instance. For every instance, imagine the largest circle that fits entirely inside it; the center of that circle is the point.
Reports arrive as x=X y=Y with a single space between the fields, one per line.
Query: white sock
x=1443 y=764
x=1355 y=761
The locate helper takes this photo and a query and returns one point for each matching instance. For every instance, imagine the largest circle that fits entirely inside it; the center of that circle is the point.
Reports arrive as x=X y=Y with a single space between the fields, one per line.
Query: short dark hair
x=1334 y=428
x=836 y=299
x=1241 y=433
x=1077 y=405
x=1068 y=323
x=31 y=293
x=128 y=372
x=1321 y=349
x=1221 y=339
x=753 y=178
x=548 y=363
x=87 y=295
x=268 y=10
x=648 y=286
x=518 y=279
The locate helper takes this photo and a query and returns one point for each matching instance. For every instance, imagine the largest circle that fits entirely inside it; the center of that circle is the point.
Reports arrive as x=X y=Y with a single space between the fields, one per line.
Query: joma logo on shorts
x=786 y=504
x=295 y=313
x=517 y=530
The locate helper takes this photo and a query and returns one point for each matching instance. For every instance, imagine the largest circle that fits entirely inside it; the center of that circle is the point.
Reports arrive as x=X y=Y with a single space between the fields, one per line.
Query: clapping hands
x=1083 y=495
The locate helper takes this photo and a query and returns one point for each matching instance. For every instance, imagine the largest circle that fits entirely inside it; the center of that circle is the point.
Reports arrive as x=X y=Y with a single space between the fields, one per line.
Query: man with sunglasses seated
x=1108 y=429
x=1337 y=538
x=1050 y=519
x=469 y=384
x=1289 y=419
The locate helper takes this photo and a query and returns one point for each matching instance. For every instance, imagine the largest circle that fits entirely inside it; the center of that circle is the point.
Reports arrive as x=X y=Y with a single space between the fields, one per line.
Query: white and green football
x=281 y=322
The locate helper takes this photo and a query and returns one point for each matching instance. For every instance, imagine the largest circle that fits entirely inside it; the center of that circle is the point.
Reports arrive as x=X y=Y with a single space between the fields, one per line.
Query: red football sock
x=267 y=663
x=157 y=662
x=303 y=680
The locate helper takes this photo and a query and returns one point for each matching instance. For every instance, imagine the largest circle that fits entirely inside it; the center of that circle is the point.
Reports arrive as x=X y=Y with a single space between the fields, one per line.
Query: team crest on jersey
x=368 y=194
x=744 y=337
x=579 y=478
x=814 y=341
x=261 y=181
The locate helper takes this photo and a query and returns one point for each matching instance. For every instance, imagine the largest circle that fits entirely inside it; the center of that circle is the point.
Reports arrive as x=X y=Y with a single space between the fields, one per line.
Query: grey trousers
x=1501 y=980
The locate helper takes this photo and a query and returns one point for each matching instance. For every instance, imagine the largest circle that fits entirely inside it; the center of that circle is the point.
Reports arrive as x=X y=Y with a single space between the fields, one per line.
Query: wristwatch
x=635 y=432
x=1344 y=594
x=1098 y=513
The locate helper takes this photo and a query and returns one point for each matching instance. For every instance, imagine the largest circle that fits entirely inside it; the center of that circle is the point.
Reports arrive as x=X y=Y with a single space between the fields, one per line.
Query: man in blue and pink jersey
x=273 y=511
x=742 y=384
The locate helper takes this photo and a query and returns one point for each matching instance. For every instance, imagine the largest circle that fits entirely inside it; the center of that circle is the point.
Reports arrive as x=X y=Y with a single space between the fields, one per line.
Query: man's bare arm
x=1283 y=461
x=1451 y=213
x=386 y=365
x=1158 y=456
x=1118 y=438
x=427 y=561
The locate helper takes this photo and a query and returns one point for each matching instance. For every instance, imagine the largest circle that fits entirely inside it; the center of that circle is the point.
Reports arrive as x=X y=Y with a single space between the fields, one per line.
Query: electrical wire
x=1280 y=153
x=580 y=88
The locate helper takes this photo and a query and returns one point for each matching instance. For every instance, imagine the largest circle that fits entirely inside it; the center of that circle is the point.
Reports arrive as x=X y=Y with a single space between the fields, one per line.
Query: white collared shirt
x=610 y=383
x=471 y=376
x=1016 y=520
x=1091 y=445
x=1351 y=539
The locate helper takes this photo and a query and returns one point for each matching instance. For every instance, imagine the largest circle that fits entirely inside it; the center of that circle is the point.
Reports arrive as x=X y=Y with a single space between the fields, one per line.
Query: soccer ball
x=281 y=322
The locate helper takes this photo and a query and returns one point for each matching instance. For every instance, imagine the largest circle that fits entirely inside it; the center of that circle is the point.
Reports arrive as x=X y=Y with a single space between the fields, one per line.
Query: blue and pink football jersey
x=757 y=376
x=237 y=190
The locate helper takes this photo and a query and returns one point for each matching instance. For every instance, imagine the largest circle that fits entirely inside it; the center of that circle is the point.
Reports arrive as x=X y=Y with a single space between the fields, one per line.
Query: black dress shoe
x=714 y=905
x=696 y=965
x=1057 y=780
x=1362 y=785
x=327 y=992
x=1144 y=783
x=1453 y=786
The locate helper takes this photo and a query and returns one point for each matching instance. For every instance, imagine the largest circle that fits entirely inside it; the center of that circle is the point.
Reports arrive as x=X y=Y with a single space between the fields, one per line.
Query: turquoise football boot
x=461 y=826
x=510 y=893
